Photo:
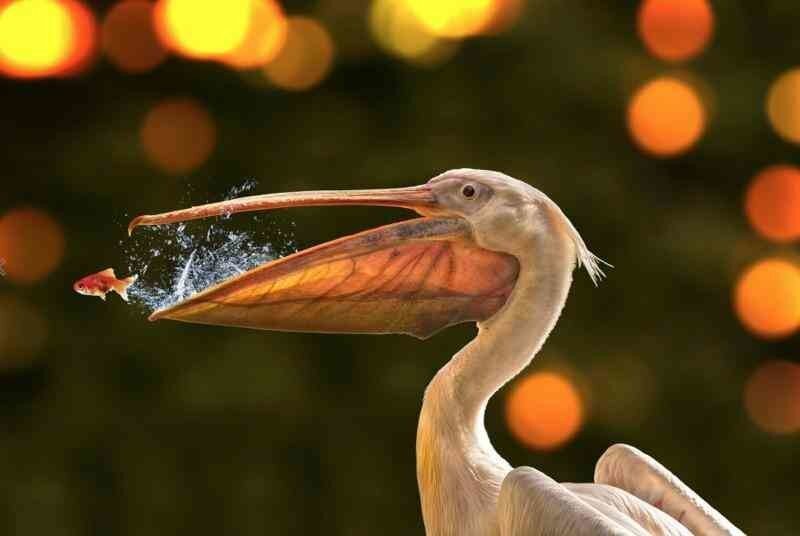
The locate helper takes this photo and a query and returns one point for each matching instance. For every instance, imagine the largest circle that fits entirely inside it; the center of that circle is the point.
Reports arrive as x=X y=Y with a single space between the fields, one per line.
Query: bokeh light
x=544 y=410
x=203 y=29
x=772 y=203
x=772 y=397
x=31 y=244
x=129 y=38
x=767 y=298
x=397 y=30
x=666 y=117
x=505 y=13
x=266 y=36
x=783 y=105
x=454 y=18
x=306 y=57
x=675 y=30
x=23 y=332
x=178 y=135
x=36 y=37
x=84 y=44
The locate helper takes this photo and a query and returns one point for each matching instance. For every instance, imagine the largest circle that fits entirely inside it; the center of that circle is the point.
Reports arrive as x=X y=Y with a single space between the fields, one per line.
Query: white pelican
x=490 y=249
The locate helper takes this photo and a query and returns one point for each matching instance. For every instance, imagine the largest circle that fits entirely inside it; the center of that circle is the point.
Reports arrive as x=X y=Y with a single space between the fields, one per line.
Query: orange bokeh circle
x=772 y=397
x=767 y=298
x=505 y=14
x=84 y=48
x=666 y=117
x=266 y=36
x=31 y=244
x=544 y=410
x=772 y=203
x=675 y=30
x=129 y=38
x=306 y=57
x=178 y=135
x=783 y=105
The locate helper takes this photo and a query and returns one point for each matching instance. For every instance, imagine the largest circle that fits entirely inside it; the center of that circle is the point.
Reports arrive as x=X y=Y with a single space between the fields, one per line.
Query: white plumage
x=466 y=487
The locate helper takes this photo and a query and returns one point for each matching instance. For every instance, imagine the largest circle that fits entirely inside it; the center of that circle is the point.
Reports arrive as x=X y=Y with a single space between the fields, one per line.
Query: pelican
x=487 y=248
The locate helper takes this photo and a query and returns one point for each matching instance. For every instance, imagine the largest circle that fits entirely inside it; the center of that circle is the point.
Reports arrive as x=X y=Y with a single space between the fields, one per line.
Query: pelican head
x=507 y=214
x=459 y=262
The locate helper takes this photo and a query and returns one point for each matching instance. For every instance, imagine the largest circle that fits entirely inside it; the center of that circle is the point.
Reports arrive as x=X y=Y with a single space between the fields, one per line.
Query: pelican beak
x=415 y=276
x=418 y=198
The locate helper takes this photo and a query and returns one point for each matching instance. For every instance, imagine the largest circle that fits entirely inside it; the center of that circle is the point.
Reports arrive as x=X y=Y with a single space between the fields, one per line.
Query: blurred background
x=667 y=130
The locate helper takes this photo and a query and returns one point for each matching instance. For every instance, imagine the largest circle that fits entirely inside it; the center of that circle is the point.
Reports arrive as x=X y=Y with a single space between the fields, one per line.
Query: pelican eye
x=468 y=191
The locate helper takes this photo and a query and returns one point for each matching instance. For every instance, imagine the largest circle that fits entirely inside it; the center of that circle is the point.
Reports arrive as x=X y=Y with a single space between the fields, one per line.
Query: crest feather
x=589 y=260
x=585 y=258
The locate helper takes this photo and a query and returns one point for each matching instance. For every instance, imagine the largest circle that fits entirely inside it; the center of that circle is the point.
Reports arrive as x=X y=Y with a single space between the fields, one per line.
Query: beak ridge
x=418 y=198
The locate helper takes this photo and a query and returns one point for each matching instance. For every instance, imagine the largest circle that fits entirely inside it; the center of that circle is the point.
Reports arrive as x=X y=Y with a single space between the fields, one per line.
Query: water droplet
x=186 y=259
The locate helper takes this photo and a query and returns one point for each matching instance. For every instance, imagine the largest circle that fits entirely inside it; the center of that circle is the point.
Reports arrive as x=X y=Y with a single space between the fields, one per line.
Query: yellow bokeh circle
x=203 y=28
x=398 y=31
x=454 y=18
x=36 y=37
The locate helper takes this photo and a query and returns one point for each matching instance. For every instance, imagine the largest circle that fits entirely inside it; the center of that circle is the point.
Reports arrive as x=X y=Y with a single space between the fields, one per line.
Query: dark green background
x=131 y=428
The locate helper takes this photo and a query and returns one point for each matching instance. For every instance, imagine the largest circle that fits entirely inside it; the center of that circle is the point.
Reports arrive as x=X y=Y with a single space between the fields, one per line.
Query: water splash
x=176 y=261
x=180 y=287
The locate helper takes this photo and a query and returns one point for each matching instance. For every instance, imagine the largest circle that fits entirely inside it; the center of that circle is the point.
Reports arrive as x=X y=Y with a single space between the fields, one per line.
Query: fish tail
x=122 y=287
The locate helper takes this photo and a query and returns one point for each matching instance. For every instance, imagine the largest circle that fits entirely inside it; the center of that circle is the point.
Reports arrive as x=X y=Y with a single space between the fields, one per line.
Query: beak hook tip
x=134 y=224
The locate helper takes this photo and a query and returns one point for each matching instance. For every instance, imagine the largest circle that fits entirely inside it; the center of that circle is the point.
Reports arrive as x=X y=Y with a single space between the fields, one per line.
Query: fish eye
x=468 y=191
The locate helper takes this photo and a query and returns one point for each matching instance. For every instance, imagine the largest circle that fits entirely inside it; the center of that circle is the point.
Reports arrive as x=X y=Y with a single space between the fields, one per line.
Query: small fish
x=102 y=283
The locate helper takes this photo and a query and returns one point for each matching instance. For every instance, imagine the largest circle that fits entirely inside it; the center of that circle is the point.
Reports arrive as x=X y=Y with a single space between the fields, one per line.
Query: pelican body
x=489 y=249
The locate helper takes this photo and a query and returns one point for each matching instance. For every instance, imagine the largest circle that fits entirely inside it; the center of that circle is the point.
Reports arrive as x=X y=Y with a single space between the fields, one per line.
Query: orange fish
x=102 y=283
